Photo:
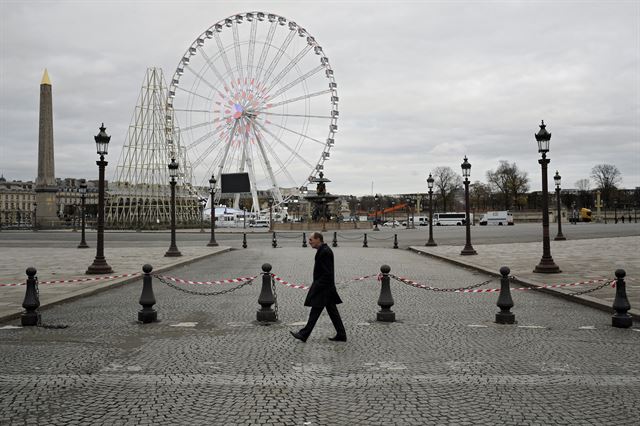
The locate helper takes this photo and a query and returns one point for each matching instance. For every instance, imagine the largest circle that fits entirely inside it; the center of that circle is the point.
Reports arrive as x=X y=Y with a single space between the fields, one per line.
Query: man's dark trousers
x=332 y=310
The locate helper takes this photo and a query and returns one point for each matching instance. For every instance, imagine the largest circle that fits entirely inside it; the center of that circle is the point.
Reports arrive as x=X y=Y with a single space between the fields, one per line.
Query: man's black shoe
x=338 y=339
x=299 y=336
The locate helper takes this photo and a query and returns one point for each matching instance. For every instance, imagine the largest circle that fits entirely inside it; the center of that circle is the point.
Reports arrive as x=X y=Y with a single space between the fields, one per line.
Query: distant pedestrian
x=622 y=218
x=629 y=217
x=323 y=293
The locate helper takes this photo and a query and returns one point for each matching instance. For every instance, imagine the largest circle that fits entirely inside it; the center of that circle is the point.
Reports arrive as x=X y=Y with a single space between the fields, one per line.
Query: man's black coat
x=323 y=290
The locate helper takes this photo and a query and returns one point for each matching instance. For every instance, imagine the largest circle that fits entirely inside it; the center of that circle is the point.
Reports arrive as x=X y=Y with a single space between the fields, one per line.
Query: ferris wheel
x=255 y=94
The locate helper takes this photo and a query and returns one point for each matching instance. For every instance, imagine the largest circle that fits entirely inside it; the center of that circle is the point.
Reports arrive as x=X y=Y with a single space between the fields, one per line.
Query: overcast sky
x=421 y=84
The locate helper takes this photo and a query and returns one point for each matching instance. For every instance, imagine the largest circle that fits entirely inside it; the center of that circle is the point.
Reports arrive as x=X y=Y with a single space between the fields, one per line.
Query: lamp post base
x=468 y=250
x=99 y=267
x=212 y=243
x=559 y=237
x=173 y=252
x=83 y=245
x=547 y=266
x=431 y=243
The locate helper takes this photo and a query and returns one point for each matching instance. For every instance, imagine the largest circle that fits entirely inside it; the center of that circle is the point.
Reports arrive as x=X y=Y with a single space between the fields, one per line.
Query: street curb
x=583 y=300
x=110 y=285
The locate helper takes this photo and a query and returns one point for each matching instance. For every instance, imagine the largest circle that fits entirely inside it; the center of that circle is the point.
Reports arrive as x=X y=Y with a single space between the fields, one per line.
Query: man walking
x=323 y=293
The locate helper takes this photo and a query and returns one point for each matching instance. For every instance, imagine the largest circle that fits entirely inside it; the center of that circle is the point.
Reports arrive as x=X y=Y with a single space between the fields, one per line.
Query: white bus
x=443 y=219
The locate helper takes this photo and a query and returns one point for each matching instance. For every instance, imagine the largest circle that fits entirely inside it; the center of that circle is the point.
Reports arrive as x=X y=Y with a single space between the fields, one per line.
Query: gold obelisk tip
x=45 y=78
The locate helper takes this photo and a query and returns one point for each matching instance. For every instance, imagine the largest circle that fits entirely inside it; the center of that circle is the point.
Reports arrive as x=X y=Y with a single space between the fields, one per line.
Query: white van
x=444 y=219
x=260 y=223
x=497 y=218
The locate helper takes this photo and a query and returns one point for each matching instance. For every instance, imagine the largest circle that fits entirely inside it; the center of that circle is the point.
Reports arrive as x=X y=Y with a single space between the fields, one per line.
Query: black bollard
x=274 y=241
x=147 y=299
x=304 y=239
x=505 y=303
x=335 y=240
x=244 y=240
x=395 y=241
x=385 y=301
x=364 y=241
x=266 y=299
x=31 y=302
x=621 y=318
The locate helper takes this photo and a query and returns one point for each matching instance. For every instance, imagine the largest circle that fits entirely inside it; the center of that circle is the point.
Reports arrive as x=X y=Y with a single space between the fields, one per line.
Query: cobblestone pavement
x=208 y=362
x=579 y=260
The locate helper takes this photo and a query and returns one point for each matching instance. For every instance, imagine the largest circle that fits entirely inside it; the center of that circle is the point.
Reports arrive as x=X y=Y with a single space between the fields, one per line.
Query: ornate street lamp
x=430 y=181
x=83 y=193
x=546 y=265
x=173 y=173
x=212 y=192
x=557 y=179
x=466 y=172
x=270 y=202
x=100 y=265
x=377 y=207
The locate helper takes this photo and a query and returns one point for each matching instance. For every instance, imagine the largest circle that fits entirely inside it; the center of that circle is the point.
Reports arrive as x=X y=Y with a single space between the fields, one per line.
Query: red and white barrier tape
x=225 y=281
x=288 y=284
x=75 y=280
x=305 y=287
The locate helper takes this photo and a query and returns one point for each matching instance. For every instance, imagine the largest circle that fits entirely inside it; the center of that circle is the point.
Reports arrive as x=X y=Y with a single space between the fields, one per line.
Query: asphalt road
x=446 y=235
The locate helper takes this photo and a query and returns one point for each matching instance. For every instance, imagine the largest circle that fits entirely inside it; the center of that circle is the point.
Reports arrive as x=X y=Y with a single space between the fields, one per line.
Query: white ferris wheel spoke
x=201 y=78
x=213 y=68
x=236 y=48
x=252 y=47
x=291 y=65
x=296 y=115
x=265 y=49
x=182 y=89
x=287 y=147
x=276 y=59
x=299 y=134
x=296 y=81
x=205 y=137
x=223 y=54
x=281 y=163
x=267 y=163
x=288 y=101
x=226 y=149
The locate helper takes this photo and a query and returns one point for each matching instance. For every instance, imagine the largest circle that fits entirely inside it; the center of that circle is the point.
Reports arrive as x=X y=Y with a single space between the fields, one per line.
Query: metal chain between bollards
x=445 y=290
x=381 y=239
x=202 y=293
x=590 y=290
x=289 y=235
x=275 y=296
x=356 y=238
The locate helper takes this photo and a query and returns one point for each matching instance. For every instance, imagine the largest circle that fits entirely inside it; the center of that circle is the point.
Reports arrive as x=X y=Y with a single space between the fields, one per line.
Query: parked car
x=259 y=224
x=392 y=223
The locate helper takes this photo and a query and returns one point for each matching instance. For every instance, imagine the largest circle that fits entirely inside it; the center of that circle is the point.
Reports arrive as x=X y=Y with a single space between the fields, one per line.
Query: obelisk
x=46 y=188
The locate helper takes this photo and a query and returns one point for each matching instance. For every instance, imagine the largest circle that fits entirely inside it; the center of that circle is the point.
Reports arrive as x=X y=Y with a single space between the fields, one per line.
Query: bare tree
x=606 y=177
x=480 y=194
x=509 y=181
x=583 y=185
x=446 y=183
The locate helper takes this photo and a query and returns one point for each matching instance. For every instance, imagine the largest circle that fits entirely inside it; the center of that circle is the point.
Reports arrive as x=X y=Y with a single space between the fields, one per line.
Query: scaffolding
x=140 y=194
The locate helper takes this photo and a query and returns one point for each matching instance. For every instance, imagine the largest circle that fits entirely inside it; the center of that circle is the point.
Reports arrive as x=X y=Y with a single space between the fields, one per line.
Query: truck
x=497 y=218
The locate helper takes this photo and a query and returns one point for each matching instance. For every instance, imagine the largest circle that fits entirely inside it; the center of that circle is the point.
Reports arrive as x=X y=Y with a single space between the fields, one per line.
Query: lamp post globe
x=557 y=178
x=83 y=193
x=212 y=193
x=546 y=265
x=430 y=242
x=466 y=172
x=173 y=174
x=100 y=265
